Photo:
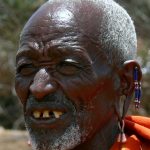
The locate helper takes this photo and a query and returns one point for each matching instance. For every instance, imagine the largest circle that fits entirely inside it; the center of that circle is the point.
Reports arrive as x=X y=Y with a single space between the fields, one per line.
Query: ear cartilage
x=137 y=88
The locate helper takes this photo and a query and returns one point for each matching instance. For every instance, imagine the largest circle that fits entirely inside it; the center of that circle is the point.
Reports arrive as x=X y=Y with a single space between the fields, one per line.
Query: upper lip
x=41 y=108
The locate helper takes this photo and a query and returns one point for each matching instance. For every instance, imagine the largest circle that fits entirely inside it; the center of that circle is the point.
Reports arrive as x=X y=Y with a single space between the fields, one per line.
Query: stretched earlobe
x=130 y=77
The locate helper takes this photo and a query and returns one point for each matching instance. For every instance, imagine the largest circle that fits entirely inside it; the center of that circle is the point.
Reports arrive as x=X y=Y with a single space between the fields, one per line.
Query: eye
x=69 y=68
x=26 y=69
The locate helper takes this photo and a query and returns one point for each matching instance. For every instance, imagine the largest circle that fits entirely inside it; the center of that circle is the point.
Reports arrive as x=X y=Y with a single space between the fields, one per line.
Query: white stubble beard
x=70 y=139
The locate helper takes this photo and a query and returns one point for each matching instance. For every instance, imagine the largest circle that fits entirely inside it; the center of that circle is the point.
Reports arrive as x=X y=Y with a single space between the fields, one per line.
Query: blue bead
x=139 y=94
x=135 y=74
x=136 y=93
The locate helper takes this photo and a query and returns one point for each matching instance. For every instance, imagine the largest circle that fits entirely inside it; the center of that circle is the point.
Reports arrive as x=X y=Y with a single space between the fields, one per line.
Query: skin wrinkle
x=49 y=47
x=93 y=34
x=27 y=53
x=88 y=37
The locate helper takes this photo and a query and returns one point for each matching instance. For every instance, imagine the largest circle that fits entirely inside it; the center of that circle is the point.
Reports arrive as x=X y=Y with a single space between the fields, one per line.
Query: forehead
x=48 y=23
x=58 y=18
x=60 y=26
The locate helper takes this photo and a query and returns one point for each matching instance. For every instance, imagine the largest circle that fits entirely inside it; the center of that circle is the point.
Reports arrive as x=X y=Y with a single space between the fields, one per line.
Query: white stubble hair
x=70 y=139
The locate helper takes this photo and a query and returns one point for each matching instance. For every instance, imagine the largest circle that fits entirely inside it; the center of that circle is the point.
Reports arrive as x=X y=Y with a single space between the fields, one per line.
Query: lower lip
x=49 y=123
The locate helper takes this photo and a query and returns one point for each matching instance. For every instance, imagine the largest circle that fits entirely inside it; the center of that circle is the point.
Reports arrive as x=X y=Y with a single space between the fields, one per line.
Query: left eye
x=26 y=69
x=68 y=68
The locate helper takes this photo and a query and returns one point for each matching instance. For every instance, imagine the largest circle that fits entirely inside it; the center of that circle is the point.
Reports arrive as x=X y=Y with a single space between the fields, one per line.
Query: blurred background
x=14 y=14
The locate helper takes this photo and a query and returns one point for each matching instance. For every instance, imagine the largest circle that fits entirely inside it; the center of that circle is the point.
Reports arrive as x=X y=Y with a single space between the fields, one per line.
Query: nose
x=42 y=84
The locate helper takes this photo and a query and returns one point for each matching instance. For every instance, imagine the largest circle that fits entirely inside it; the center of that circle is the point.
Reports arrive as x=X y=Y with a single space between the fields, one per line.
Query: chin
x=54 y=139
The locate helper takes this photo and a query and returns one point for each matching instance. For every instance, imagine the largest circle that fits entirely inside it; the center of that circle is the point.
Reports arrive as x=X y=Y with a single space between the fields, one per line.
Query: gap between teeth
x=46 y=114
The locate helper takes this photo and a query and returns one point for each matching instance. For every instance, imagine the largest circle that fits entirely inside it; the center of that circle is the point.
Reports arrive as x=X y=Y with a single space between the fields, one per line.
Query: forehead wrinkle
x=67 y=51
x=49 y=34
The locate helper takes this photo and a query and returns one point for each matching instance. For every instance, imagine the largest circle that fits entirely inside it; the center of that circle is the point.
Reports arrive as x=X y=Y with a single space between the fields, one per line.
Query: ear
x=127 y=81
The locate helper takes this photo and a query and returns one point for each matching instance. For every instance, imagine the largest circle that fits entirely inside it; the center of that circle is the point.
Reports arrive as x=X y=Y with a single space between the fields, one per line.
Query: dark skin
x=59 y=67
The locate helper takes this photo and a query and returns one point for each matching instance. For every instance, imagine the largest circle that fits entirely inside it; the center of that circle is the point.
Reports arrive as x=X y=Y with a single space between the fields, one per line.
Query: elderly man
x=74 y=63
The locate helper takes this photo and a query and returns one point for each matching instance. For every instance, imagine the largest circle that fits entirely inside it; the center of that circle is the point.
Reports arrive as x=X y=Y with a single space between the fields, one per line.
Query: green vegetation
x=14 y=14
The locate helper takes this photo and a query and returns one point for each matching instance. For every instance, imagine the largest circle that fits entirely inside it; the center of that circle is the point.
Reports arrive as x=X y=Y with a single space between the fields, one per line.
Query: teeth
x=57 y=114
x=36 y=114
x=46 y=114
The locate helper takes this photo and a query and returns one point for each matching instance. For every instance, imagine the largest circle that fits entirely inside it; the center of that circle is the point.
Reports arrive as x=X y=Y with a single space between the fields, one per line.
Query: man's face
x=63 y=81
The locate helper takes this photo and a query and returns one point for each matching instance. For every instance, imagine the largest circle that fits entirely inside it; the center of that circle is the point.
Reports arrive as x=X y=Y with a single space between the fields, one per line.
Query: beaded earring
x=137 y=88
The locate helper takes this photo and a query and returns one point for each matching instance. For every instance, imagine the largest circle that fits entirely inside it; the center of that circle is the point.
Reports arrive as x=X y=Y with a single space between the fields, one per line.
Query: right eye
x=26 y=69
x=69 y=68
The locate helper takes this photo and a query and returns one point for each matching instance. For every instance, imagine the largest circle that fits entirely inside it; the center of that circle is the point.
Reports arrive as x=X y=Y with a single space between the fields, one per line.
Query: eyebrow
x=26 y=53
x=81 y=54
x=34 y=53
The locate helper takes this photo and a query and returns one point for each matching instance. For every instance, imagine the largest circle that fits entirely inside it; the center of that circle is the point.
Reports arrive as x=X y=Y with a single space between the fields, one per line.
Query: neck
x=103 y=139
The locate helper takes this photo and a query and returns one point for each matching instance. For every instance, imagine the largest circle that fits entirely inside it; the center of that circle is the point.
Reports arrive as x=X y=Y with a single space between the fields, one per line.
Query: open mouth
x=46 y=114
x=50 y=112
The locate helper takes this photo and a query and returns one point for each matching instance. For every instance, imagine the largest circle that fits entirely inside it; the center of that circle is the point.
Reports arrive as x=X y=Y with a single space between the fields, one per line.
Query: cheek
x=93 y=99
x=80 y=88
x=22 y=88
x=97 y=114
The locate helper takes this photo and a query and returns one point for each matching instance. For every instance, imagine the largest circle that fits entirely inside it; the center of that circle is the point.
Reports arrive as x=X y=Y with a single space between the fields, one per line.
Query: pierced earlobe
x=130 y=75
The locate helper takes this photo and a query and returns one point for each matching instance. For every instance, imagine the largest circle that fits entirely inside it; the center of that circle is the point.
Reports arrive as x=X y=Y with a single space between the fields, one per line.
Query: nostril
x=49 y=88
x=40 y=90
